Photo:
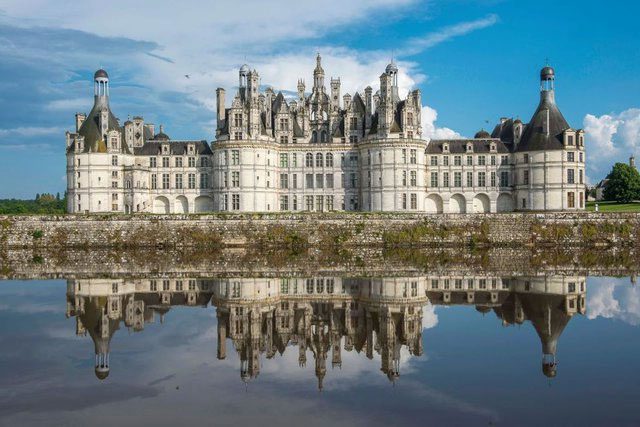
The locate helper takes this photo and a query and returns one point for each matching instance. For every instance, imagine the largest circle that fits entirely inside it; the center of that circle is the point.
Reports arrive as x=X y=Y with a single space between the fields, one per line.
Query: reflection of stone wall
x=321 y=230
x=354 y=262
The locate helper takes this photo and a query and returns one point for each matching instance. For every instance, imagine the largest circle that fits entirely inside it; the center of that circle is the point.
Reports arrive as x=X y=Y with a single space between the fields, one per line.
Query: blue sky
x=474 y=61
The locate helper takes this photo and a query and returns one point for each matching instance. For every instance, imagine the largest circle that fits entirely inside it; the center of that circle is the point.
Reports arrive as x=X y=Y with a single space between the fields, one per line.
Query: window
x=235 y=179
x=152 y=162
x=525 y=158
x=284 y=181
x=235 y=202
x=404 y=155
x=165 y=181
x=445 y=179
x=571 y=176
x=525 y=177
x=434 y=160
x=309 y=160
x=457 y=179
x=504 y=179
x=353 y=180
x=295 y=203
x=353 y=123
x=482 y=161
x=309 y=202
x=469 y=179
x=309 y=180
x=414 y=178
x=413 y=157
x=224 y=202
x=154 y=181
x=414 y=201
x=404 y=178
x=570 y=139
x=571 y=199
x=409 y=119
x=329 y=203
x=482 y=179
x=457 y=160
x=294 y=180
x=178 y=162
x=571 y=156
x=204 y=162
x=204 y=180
x=445 y=160
x=493 y=160
x=353 y=139
x=329 y=160
x=179 y=181
x=237 y=135
x=581 y=157
x=237 y=120
x=165 y=162
x=192 y=181
x=235 y=157
x=434 y=179
x=294 y=160
x=493 y=179
x=284 y=124
x=284 y=139
x=114 y=160
x=284 y=203
x=284 y=160
x=580 y=175
x=192 y=162
x=404 y=201
x=329 y=180
x=504 y=160
x=319 y=180
x=114 y=184
x=469 y=161
x=319 y=161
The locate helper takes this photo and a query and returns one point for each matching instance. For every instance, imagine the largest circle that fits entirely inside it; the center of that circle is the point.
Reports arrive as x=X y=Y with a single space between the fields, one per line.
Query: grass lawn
x=614 y=207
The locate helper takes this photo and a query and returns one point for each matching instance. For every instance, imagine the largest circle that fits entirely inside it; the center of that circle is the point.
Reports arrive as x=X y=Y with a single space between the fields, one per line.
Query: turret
x=335 y=94
x=318 y=75
x=301 y=88
x=101 y=87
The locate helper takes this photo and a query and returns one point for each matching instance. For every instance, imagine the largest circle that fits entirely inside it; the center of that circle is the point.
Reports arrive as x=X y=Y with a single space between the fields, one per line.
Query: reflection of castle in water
x=323 y=315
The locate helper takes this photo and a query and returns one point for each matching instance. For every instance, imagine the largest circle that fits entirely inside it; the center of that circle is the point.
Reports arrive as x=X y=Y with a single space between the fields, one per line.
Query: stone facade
x=319 y=152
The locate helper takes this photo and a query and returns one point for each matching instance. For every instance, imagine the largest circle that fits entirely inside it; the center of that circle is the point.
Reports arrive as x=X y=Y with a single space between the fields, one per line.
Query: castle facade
x=321 y=151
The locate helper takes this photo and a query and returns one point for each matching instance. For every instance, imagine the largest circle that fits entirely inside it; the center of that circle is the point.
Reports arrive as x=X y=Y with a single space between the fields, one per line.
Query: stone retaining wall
x=307 y=230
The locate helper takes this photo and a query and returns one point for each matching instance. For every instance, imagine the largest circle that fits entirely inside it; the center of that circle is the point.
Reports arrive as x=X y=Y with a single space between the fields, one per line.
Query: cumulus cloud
x=611 y=138
x=614 y=300
x=429 y=128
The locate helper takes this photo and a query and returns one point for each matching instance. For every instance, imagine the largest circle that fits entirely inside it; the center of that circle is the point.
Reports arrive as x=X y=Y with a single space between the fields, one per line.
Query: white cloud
x=430 y=40
x=429 y=316
x=614 y=300
x=429 y=128
x=611 y=138
x=30 y=131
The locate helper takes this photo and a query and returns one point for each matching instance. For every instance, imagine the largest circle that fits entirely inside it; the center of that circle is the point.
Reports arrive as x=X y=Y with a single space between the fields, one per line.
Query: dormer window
x=445 y=147
x=165 y=149
x=190 y=148
x=469 y=148
x=492 y=147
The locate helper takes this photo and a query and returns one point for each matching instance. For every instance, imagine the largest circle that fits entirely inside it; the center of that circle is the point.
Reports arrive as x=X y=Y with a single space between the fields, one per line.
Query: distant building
x=324 y=152
x=602 y=185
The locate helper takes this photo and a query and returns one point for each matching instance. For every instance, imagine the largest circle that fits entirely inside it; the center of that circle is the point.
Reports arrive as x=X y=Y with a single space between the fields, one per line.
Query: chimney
x=220 y=105
x=80 y=118
x=632 y=161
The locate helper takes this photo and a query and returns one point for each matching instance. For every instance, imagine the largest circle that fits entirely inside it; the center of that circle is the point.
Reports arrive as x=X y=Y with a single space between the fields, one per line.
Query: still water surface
x=553 y=350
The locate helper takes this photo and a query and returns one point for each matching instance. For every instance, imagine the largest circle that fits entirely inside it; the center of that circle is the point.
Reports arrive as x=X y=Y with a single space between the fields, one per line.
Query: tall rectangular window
x=445 y=179
x=469 y=160
x=152 y=162
x=482 y=160
x=235 y=157
x=504 y=179
x=414 y=201
x=404 y=155
x=571 y=199
x=457 y=160
x=434 y=179
x=235 y=179
x=493 y=179
x=457 y=179
x=114 y=160
x=294 y=180
x=469 y=179
x=434 y=160
x=309 y=180
x=165 y=162
x=179 y=181
x=192 y=162
x=178 y=162
x=413 y=156
x=525 y=177
x=482 y=179
x=284 y=203
x=329 y=180
x=165 y=181
x=154 y=181
x=204 y=180
x=237 y=119
x=414 y=179
x=319 y=180
x=192 y=181
x=353 y=123
x=404 y=178
x=284 y=181
x=235 y=202
x=284 y=160
x=404 y=201
x=571 y=176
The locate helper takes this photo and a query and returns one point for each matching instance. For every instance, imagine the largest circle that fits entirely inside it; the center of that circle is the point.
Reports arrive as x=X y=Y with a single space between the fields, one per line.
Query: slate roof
x=90 y=130
x=153 y=148
x=459 y=146
x=535 y=137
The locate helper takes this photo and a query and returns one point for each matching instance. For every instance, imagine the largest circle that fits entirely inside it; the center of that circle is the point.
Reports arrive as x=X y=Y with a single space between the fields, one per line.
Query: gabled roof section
x=176 y=148
x=459 y=146
x=90 y=130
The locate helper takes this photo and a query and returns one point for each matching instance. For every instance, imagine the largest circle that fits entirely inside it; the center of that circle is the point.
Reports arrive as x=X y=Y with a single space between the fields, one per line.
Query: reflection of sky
x=473 y=371
x=614 y=298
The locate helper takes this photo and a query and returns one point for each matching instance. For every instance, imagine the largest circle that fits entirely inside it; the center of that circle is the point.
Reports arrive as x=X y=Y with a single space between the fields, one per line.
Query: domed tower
x=392 y=71
x=243 y=76
x=101 y=86
x=101 y=329
x=549 y=157
x=318 y=75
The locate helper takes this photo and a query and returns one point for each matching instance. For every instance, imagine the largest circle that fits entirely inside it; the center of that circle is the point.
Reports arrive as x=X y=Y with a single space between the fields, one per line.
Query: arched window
x=323 y=136
x=309 y=160
x=329 y=160
x=318 y=160
x=314 y=137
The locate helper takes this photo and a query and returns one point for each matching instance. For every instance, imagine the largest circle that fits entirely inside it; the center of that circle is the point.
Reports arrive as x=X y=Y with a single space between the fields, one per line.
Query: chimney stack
x=632 y=161
x=220 y=109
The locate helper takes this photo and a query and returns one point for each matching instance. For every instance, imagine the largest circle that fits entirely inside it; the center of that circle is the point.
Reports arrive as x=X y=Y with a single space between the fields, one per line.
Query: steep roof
x=90 y=130
x=547 y=116
x=153 y=148
x=459 y=146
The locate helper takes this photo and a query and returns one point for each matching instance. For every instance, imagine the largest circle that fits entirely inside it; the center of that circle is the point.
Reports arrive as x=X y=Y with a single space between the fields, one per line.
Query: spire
x=318 y=74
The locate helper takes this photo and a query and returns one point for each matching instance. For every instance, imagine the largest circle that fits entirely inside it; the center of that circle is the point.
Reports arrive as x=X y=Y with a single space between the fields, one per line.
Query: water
x=418 y=348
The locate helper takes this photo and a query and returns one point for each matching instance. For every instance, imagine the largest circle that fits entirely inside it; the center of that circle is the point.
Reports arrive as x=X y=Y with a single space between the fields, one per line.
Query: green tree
x=623 y=185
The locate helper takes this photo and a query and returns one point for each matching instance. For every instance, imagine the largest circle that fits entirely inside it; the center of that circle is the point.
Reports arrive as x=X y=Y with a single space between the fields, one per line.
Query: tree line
x=42 y=204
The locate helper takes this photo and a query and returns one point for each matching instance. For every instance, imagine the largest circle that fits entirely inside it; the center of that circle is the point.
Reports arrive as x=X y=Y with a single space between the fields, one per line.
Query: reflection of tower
x=222 y=334
x=101 y=328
